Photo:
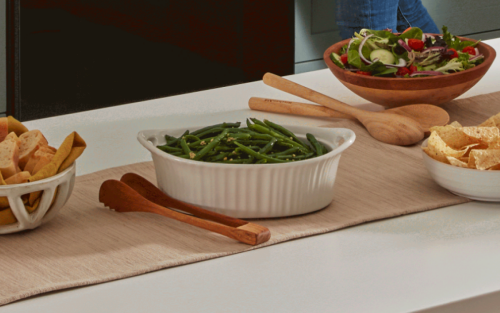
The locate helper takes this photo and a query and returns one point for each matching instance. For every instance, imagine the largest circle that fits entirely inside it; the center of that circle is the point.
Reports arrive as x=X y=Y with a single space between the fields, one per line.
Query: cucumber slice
x=383 y=56
x=336 y=59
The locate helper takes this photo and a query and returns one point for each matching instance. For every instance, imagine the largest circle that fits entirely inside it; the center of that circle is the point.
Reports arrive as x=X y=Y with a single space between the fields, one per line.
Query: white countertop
x=402 y=264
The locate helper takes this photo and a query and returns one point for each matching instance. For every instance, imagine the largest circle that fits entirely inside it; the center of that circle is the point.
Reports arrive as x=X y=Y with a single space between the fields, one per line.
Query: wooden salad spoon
x=427 y=115
x=136 y=194
x=386 y=127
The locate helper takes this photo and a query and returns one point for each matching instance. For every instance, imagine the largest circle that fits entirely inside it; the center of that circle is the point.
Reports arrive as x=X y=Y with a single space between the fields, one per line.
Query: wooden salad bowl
x=395 y=92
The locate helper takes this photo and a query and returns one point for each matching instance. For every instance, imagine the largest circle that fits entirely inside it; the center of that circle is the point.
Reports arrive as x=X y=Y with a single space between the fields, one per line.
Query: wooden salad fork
x=136 y=194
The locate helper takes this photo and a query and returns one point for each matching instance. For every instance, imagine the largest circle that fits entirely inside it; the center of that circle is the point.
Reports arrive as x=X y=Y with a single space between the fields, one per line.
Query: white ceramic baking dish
x=465 y=182
x=251 y=190
x=60 y=185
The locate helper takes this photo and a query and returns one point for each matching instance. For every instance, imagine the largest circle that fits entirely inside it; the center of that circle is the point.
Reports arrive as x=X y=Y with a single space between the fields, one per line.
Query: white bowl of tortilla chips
x=466 y=160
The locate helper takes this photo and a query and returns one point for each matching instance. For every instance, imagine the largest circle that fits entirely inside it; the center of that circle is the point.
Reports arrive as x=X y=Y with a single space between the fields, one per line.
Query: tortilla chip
x=472 y=161
x=454 y=137
x=495 y=144
x=485 y=159
x=439 y=150
x=456 y=162
x=484 y=134
x=456 y=124
x=493 y=121
x=71 y=148
x=16 y=126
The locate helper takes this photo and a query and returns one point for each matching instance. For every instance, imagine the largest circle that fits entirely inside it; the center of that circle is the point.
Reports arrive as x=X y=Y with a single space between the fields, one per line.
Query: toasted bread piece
x=47 y=149
x=13 y=136
x=19 y=178
x=4 y=128
x=31 y=141
x=45 y=159
x=35 y=158
x=9 y=157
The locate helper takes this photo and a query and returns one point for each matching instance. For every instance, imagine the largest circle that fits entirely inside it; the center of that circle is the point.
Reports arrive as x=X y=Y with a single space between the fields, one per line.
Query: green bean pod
x=284 y=131
x=185 y=147
x=258 y=155
x=317 y=146
x=268 y=146
x=211 y=145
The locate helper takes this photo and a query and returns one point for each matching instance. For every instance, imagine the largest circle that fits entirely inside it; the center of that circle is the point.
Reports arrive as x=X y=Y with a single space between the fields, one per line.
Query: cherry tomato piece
x=343 y=58
x=402 y=71
x=416 y=44
x=469 y=50
x=413 y=68
x=364 y=73
x=455 y=53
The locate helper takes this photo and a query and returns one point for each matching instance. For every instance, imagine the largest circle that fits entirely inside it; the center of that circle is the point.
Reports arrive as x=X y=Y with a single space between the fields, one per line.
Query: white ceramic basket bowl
x=251 y=190
x=465 y=182
x=25 y=220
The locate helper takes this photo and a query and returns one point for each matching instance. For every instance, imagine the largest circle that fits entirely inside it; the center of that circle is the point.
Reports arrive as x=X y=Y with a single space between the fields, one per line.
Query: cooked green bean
x=259 y=143
x=185 y=147
x=317 y=146
x=176 y=140
x=191 y=137
x=211 y=145
x=169 y=149
x=289 y=151
x=258 y=155
x=266 y=130
x=269 y=146
x=284 y=131
x=222 y=125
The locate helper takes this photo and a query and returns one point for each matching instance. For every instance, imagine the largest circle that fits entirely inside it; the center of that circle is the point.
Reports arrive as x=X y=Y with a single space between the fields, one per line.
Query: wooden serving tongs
x=133 y=193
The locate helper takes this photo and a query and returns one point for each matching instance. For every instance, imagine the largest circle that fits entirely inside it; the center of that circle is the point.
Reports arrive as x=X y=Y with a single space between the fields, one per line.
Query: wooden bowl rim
x=487 y=62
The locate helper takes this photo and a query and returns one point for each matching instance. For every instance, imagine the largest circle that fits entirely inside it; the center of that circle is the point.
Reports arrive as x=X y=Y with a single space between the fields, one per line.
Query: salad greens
x=410 y=54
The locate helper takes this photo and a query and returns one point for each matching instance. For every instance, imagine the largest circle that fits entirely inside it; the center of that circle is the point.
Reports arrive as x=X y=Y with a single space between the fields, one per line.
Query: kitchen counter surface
x=422 y=261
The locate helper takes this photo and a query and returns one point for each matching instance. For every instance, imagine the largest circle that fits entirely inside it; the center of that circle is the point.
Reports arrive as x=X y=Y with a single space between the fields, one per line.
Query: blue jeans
x=398 y=15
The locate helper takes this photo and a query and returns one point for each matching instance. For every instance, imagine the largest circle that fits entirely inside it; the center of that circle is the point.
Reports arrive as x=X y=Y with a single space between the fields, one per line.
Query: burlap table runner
x=88 y=244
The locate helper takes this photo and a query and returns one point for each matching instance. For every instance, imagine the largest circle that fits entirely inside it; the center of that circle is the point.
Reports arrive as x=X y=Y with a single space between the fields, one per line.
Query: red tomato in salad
x=364 y=73
x=343 y=58
x=402 y=71
x=455 y=53
x=416 y=44
x=469 y=50
x=413 y=68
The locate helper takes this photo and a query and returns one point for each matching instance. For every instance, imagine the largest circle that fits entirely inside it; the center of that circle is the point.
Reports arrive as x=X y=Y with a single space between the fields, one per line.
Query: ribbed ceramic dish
x=61 y=183
x=465 y=182
x=251 y=190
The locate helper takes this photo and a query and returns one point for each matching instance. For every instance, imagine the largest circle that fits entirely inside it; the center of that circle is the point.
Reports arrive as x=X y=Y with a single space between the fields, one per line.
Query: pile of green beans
x=258 y=143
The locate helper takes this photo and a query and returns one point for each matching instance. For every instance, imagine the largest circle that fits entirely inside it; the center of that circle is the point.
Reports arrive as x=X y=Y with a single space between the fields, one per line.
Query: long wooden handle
x=291 y=107
x=122 y=198
x=309 y=94
x=149 y=191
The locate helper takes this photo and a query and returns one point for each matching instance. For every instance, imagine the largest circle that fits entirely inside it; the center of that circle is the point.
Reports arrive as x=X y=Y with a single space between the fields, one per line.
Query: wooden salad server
x=427 y=115
x=135 y=194
x=386 y=127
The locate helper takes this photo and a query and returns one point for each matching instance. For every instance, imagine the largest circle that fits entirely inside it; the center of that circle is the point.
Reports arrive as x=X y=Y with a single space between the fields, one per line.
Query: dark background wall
x=80 y=55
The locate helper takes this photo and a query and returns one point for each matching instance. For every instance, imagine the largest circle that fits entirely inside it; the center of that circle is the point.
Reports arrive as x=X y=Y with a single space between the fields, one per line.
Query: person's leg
x=354 y=15
x=413 y=13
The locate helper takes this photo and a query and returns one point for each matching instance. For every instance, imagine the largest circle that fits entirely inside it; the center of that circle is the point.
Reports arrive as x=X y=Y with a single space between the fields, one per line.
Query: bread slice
x=31 y=141
x=4 y=128
x=35 y=158
x=45 y=159
x=9 y=157
x=13 y=136
x=19 y=178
